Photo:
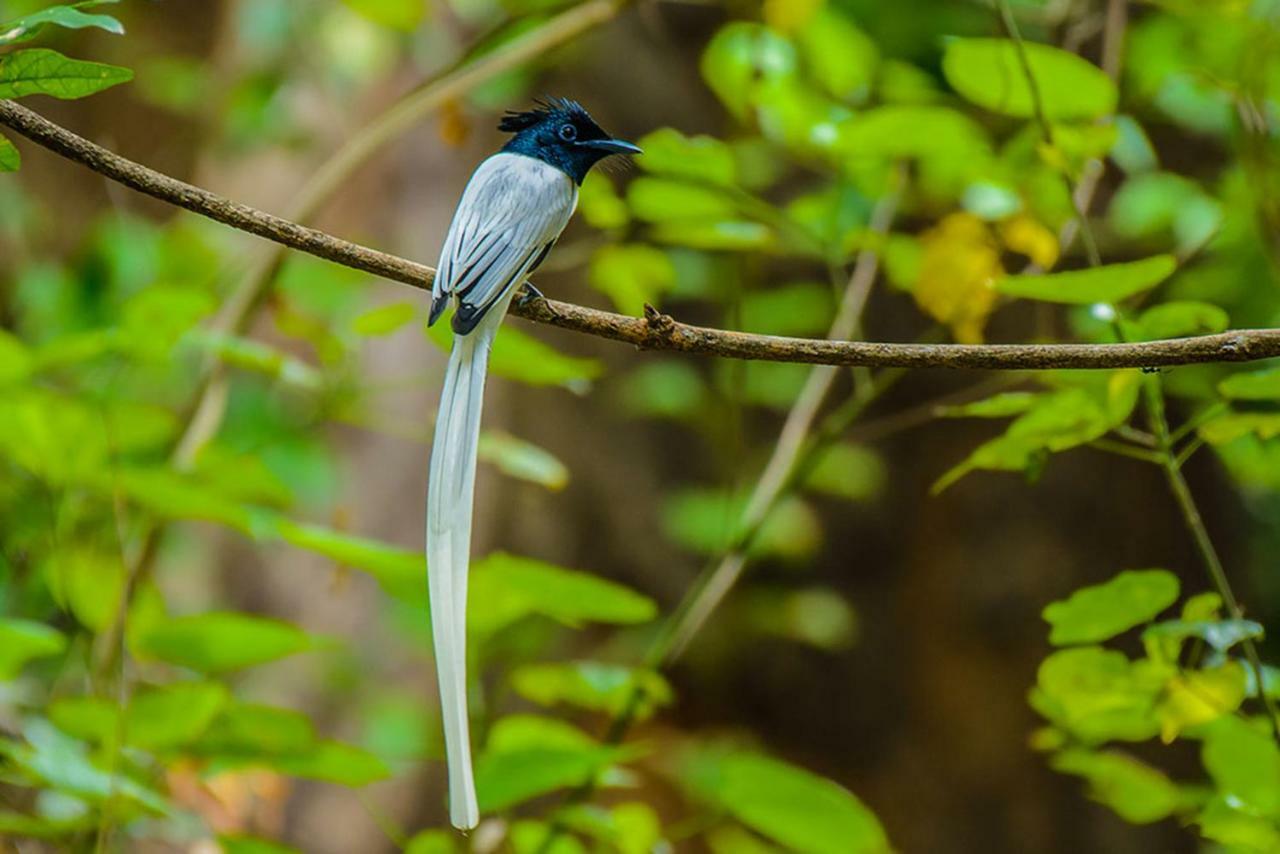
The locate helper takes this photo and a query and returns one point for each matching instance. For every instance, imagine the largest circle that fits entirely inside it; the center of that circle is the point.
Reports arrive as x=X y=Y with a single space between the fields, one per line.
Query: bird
x=511 y=213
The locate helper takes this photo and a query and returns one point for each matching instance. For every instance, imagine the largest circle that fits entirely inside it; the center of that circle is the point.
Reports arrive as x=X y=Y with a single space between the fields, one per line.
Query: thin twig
x=1200 y=534
x=654 y=331
x=1046 y=128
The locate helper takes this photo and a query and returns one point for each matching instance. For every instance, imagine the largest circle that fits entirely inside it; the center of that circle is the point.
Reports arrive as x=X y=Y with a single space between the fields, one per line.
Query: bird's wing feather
x=512 y=208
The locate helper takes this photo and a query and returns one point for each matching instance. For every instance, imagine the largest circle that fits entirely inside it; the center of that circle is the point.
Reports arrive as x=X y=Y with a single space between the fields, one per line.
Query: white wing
x=511 y=212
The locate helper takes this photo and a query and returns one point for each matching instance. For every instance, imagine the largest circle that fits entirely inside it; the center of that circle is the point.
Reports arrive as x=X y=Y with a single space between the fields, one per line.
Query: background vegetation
x=726 y=607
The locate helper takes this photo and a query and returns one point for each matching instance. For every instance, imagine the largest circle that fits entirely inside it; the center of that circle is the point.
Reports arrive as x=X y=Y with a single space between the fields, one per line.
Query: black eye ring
x=568 y=132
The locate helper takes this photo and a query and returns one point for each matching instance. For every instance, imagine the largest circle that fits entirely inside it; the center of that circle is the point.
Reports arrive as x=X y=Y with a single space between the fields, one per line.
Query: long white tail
x=450 y=490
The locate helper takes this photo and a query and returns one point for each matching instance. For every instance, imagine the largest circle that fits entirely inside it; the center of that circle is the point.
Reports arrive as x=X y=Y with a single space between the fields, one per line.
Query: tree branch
x=654 y=331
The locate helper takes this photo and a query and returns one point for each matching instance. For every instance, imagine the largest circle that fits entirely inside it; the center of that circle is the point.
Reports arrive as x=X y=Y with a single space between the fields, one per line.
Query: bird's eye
x=568 y=132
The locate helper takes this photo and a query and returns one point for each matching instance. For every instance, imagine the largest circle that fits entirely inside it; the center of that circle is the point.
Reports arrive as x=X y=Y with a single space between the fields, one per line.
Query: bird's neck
x=576 y=167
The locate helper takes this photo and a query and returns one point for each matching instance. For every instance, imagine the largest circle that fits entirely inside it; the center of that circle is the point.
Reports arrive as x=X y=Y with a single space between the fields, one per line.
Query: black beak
x=612 y=146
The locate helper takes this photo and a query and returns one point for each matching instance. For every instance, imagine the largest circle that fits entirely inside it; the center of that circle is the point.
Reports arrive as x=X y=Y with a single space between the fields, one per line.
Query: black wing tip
x=514 y=121
x=467 y=318
x=438 y=305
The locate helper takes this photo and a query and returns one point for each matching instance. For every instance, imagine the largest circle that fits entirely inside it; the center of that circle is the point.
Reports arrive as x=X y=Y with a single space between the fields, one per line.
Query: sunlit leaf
x=39 y=71
x=699 y=158
x=505 y=588
x=237 y=844
x=1244 y=762
x=802 y=308
x=632 y=275
x=1178 y=319
x=528 y=756
x=222 y=641
x=848 y=471
x=1236 y=425
x=989 y=73
x=247 y=732
x=1137 y=792
x=517 y=458
x=789 y=805
x=1102 y=611
x=591 y=685
x=838 y=56
x=914 y=131
x=70 y=17
x=1108 y=283
x=1003 y=405
x=403 y=15
x=10 y=160
x=1097 y=694
x=401 y=571
x=1219 y=634
x=665 y=199
x=24 y=640
x=1255 y=385
x=1196 y=697
x=384 y=319
x=723 y=235
x=958 y=271
x=63 y=763
x=334 y=762
x=740 y=55
x=519 y=356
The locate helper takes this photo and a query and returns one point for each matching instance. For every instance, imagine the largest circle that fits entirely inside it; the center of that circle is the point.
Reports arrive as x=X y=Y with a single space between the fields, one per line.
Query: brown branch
x=654 y=331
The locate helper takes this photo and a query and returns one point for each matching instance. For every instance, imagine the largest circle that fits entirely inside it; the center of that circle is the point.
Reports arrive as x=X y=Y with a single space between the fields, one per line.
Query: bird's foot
x=528 y=294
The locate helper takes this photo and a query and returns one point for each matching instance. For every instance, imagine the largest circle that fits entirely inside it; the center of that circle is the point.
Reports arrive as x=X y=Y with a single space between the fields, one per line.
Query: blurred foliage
x=129 y=711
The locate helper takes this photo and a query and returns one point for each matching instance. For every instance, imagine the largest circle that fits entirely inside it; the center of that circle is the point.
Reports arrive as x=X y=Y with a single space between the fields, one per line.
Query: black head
x=559 y=132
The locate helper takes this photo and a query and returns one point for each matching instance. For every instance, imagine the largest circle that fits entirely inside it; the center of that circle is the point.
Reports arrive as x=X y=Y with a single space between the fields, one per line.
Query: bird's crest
x=514 y=122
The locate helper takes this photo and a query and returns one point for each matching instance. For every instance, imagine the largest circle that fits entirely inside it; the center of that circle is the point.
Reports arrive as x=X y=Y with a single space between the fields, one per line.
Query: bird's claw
x=527 y=295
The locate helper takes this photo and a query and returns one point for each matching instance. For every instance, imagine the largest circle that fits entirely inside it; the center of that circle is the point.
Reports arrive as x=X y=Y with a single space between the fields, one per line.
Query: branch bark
x=654 y=331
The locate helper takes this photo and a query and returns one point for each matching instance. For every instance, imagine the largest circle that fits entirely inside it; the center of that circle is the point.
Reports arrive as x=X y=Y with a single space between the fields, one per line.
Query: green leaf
x=802 y=308
x=39 y=71
x=505 y=588
x=849 y=471
x=1108 y=283
x=706 y=521
x=1233 y=824
x=839 y=57
x=1097 y=694
x=174 y=714
x=1236 y=425
x=724 y=235
x=528 y=756
x=252 y=732
x=384 y=319
x=401 y=572
x=600 y=204
x=63 y=763
x=1105 y=610
x=517 y=458
x=1002 y=405
x=989 y=73
x=1256 y=385
x=739 y=57
x=791 y=806
x=519 y=356
x=1195 y=697
x=253 y=845
x=70 y=17
x=431 y=842
x=403 y=15
x=591 y=685
x=666 y=199
x=24 y=640
x=632 y=275
x=699 y=158
x=1178 y=319
x=1244 y=763
x=895 y=132
x=10 y=159
x=222 y=641
x=334 y=762
x=664 y=389
x=1219 y=634
x=1136 y=792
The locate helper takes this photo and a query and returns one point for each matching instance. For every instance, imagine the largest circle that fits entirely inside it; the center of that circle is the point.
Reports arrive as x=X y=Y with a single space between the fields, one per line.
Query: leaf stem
x=1200 y=535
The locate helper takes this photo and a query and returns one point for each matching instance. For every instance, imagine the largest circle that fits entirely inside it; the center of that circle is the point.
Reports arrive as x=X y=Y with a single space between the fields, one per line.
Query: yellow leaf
x=1026 y=236
x=787 y=16
x=959 y=265
x=1200 y=696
